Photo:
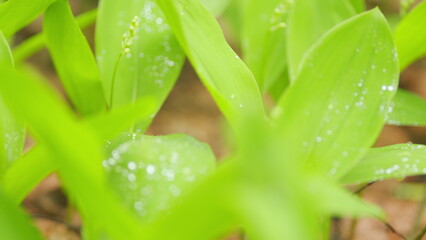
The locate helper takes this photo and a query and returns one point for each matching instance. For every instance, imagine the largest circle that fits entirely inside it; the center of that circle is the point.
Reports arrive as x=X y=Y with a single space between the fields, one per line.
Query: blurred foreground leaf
x=77 y=150
x=14 y=224
x=15 y=14
x=12 y=130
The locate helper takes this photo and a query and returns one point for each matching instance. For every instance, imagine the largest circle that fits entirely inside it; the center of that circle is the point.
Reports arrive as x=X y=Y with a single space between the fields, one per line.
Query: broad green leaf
x=15 y=14
x=410 y=36
x=338 y=103
x=14 y=224
x=407 y=109
x=30 y=169
x=26 y=172
x=76 y=149
x=12 y=130
x=358 y=5
x=396 y=161
x=224 y=74
x=150 y=172
x=137 y=53
x=308 y=20
x=264 y=36
x=73 y=59
x=207 y=212
x=35 y=43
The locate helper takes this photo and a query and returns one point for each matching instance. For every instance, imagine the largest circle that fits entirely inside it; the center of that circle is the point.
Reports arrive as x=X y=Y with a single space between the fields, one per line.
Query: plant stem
x=393 y=230
x=111 y=96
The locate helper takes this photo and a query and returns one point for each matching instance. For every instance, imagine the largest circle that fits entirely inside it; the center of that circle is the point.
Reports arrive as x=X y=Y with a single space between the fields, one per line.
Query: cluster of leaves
x=332 y=68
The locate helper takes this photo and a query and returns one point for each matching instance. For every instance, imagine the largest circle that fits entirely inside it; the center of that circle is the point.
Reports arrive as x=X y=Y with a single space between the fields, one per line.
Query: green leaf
x=35 y=43
x=146 y=62
x=14 y=224
x=224 y=74
x=358 y=5
x=216 y=7
x=150 y=172
x=15 y=14
x=12 y=131
x=109 y=125
x=76 y=149
x=26 y=172
x=73 y=59
x=307 y=22
x=264 y=36
x=207 y=212
x=333 y=200
x=396 y=161
x=338 y=103
x=410 y=36
x=407 y=109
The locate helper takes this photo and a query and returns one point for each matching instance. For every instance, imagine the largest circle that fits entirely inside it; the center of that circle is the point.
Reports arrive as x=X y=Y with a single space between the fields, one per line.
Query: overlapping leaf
x=73 y=59
x=15 y=14
x=396 y=161
x=35 y=43
x=223 y=73
x=151 y=172
x=307 y=22
x=139 y=62
x=14 y=224
x=12 y=131
x=263 y=39
x=410 y=36
x=407 y=109
x=338 y=103
x=76 y=148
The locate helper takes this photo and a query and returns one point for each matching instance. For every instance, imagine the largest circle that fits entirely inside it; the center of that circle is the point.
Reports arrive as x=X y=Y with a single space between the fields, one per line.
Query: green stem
x=111 y=96
x=37 y=42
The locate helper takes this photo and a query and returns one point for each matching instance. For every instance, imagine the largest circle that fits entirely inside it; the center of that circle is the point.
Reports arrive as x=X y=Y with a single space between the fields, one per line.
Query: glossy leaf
x=216 y=7
x=410 y=36
x=407 y=109
x=77 y=150
x=264 y=36
x=396 y=161
x=35 y=43
x=12 y=130
x=307 y=22
x=15 y=14
x=146 y=62
x=73 y=59
x=338 y=103
x=150 y=172
x=14 y=224
x=224 y=74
